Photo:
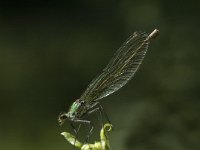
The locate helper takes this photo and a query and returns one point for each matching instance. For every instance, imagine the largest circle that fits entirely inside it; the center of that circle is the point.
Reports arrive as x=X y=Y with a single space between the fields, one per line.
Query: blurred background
x=50 y=51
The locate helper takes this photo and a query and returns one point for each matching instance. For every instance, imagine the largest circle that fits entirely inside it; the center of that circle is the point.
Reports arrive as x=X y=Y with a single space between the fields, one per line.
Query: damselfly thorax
x=77 y=110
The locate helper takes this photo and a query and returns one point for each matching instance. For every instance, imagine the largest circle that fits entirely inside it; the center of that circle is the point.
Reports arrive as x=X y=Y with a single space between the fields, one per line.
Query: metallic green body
x=115 y=75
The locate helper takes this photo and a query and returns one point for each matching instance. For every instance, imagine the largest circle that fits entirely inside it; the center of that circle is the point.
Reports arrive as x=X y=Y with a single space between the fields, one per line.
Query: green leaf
x=103 y=144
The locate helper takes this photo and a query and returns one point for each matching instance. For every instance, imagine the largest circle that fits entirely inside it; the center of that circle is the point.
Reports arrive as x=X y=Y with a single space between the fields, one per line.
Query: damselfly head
x=62 y=117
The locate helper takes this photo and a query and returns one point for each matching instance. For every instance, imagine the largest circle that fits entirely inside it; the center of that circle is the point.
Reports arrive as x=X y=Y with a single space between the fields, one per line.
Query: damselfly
x=115 y=75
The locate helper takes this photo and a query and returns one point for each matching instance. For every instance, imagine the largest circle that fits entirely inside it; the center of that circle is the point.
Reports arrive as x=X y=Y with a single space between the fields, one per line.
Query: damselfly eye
x=61 y=118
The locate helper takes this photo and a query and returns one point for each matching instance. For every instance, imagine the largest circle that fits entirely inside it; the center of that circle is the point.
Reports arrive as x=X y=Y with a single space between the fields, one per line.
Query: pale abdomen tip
x=154 y=34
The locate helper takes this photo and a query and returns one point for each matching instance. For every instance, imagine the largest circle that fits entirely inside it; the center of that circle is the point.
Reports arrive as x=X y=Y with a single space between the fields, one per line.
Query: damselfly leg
x=75 y=131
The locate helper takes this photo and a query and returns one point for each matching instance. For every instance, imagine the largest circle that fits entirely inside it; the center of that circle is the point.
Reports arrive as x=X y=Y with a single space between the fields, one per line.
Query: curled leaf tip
x=108 y=127
x=71 y=139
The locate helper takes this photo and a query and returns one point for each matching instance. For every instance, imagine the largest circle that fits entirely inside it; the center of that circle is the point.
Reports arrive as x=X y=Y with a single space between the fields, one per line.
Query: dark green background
x=50 y=51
